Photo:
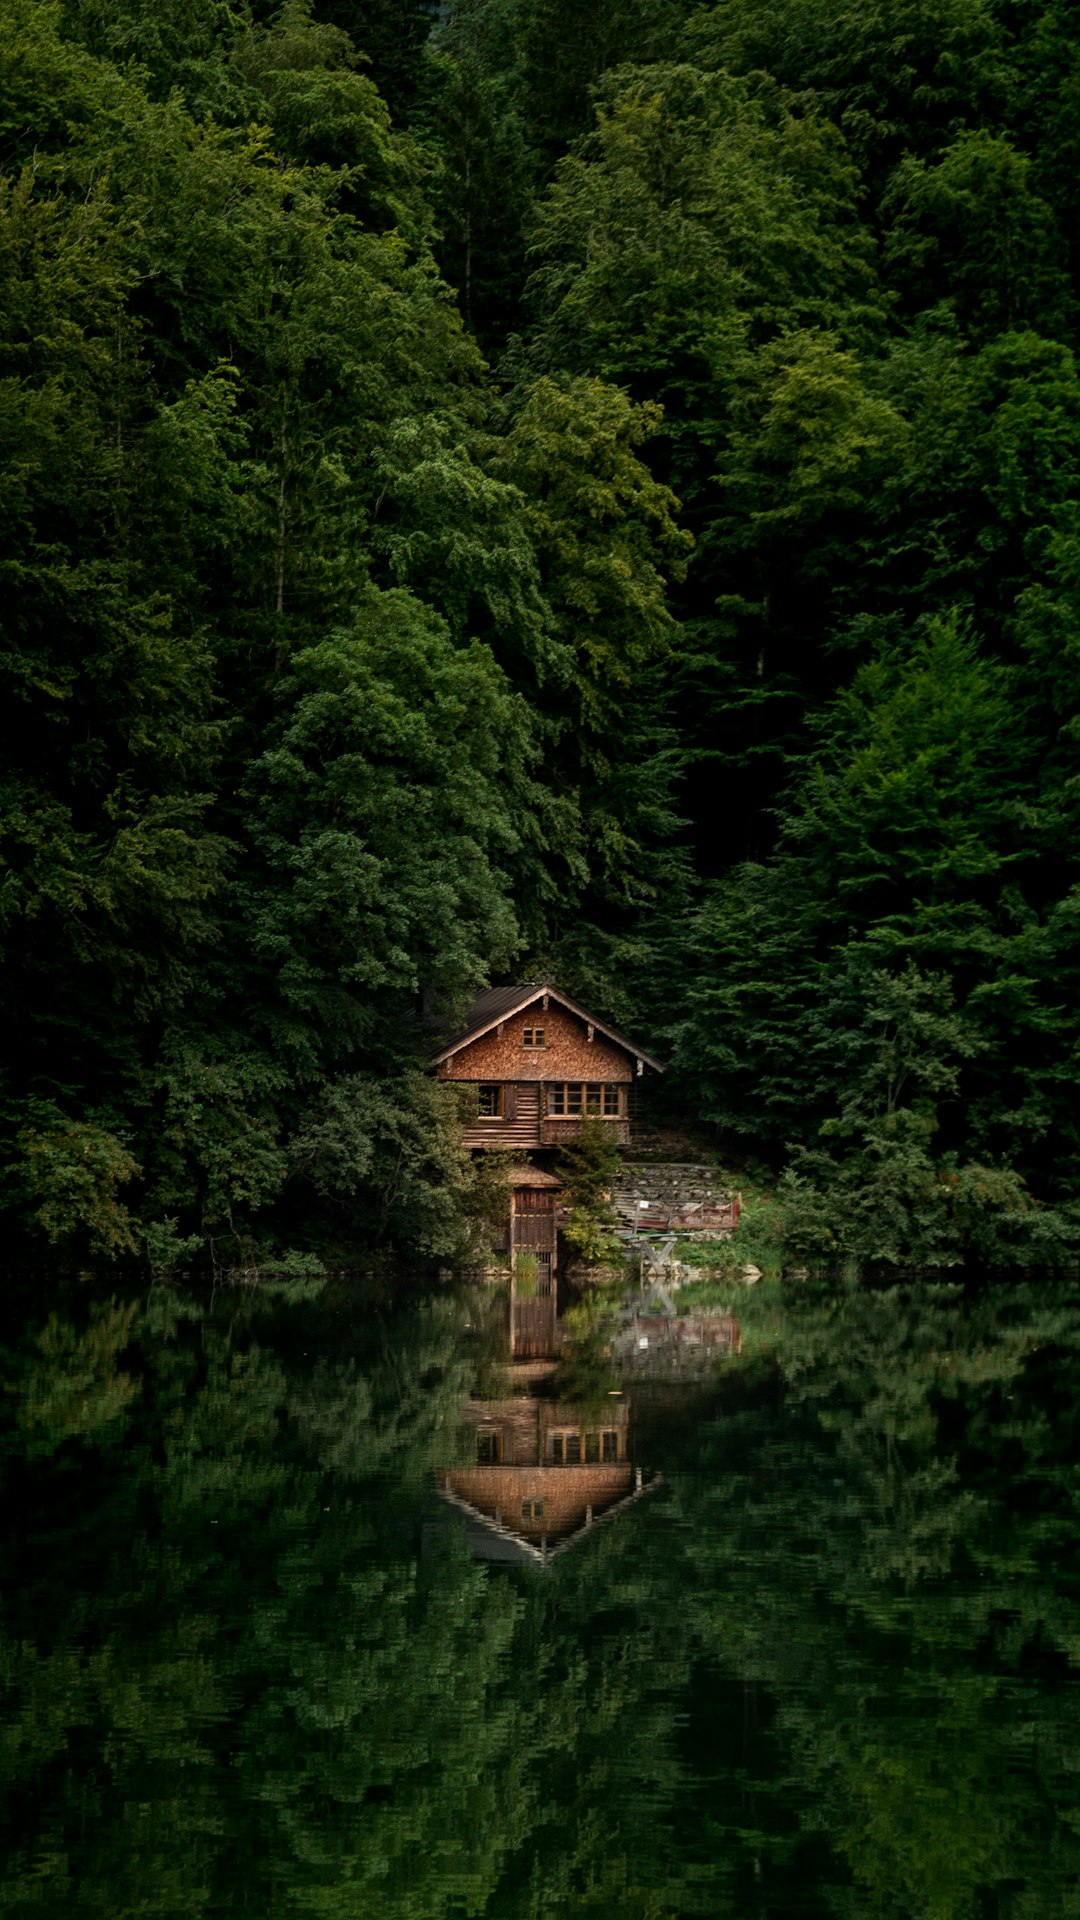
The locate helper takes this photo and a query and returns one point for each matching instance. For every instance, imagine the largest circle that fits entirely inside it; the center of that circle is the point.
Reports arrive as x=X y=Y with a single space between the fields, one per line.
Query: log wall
x=519 y=1128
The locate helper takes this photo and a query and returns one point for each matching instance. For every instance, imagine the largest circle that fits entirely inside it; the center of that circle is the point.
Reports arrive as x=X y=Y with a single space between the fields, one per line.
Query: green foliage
x=692 y=219
x=977 y=205
x=894 y=894
x=757 y=1241
x=166 y=1248
x=383 y=808
x=71 y=1172
x=390 y=35
x=714 y=652
x=197 y=360
x=605 y=535
x=388 y=1154
x=588 y=1168
x=73 y=1389
x=894 y=82
x=717 y=647
x=251 y=1638
x=526 y=1269
x=474 y=117
x=607 y=541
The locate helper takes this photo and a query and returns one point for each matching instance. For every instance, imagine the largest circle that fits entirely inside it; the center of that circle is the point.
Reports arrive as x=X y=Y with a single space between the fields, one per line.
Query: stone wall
x=678 y=1199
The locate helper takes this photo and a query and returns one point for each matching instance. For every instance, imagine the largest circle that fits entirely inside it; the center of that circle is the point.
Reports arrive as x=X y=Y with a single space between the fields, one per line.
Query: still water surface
x=255 y=1663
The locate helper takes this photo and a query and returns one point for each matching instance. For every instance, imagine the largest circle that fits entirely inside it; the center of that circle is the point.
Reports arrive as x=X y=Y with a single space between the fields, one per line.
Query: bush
x=588 y=1168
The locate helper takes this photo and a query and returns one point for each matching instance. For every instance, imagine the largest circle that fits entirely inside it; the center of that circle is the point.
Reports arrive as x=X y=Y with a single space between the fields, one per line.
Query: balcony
x=555 y=1129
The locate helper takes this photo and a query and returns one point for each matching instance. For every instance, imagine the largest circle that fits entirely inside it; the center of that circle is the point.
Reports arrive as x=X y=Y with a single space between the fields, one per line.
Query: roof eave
x=477 y=1033
x=527 y=1000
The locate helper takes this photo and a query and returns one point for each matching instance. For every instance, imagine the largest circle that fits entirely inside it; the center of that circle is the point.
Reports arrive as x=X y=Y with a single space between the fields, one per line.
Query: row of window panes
x=583 y=1096
x=566 y=1097
x=566 y=1448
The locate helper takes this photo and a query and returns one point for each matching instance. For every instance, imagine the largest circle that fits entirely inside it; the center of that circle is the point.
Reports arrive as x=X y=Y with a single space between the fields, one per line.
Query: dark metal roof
x=496 y=1004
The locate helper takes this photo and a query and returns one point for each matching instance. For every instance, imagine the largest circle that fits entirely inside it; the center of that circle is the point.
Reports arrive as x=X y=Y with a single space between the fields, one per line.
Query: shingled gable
x=490 y=1009
x=543 y=1475
x=487 y=1538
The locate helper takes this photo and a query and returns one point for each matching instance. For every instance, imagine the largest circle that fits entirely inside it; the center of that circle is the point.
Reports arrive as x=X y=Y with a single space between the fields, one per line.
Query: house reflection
x=543 y=1474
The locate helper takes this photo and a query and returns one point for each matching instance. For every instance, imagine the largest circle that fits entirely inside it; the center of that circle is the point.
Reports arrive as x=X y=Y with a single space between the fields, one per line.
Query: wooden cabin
x=543 y=1473
x=539 y=1062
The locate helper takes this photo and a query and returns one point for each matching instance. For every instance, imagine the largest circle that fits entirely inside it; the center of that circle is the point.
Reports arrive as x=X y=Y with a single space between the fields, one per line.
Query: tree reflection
x=828 y=1669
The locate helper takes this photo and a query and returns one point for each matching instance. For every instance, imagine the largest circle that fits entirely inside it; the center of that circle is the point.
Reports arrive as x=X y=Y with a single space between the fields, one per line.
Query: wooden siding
x=557 y=1128
x=534 y=1230
x=524 y=1430
x=532 y=1327
x=525 y=1124
x=533 y=1221
x=518 y=1126
x=563 y=1417
x=566 y=1493
x=567 y=1053
x=516 y=1425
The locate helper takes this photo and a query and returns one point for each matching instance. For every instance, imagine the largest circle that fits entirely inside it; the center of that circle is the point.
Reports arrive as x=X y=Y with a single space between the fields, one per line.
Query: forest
x=584 y=489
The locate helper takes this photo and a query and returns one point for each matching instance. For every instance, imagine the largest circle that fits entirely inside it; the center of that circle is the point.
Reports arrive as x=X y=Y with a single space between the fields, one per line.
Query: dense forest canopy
x=514 y=487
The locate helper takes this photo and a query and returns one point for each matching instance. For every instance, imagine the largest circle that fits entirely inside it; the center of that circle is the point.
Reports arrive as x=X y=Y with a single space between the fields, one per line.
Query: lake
x=305 y=1612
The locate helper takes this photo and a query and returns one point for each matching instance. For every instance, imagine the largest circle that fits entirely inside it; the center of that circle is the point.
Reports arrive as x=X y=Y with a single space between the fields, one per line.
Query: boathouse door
x=533 y=1230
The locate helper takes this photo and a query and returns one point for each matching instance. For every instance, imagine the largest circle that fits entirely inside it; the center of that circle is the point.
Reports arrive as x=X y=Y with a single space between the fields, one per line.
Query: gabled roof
x=488 y=1539
x=497 y=1004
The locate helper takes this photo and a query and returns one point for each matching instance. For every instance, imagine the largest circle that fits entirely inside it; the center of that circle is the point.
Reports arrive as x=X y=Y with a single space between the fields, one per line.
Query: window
x=532 y=1510
x=487 y=1447
x=564 y=1097
x=569 y=1098
x=533 y=1037
x=573 y=1449
x=556 y=1449
x=592 y=1448
x=490 y=1102
x=611 y=1446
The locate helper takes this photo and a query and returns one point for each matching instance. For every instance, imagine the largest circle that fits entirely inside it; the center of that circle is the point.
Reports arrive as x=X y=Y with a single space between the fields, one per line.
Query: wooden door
x=533 y=1222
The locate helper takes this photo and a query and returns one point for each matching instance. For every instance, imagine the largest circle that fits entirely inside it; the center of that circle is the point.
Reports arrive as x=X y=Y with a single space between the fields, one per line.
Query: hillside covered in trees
x=584 y=486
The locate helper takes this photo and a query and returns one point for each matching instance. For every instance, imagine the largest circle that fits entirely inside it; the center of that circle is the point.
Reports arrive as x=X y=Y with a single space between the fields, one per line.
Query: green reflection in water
x=250 y=1667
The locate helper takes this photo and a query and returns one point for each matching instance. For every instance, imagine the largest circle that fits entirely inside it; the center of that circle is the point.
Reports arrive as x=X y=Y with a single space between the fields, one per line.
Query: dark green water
x=827 y=1668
